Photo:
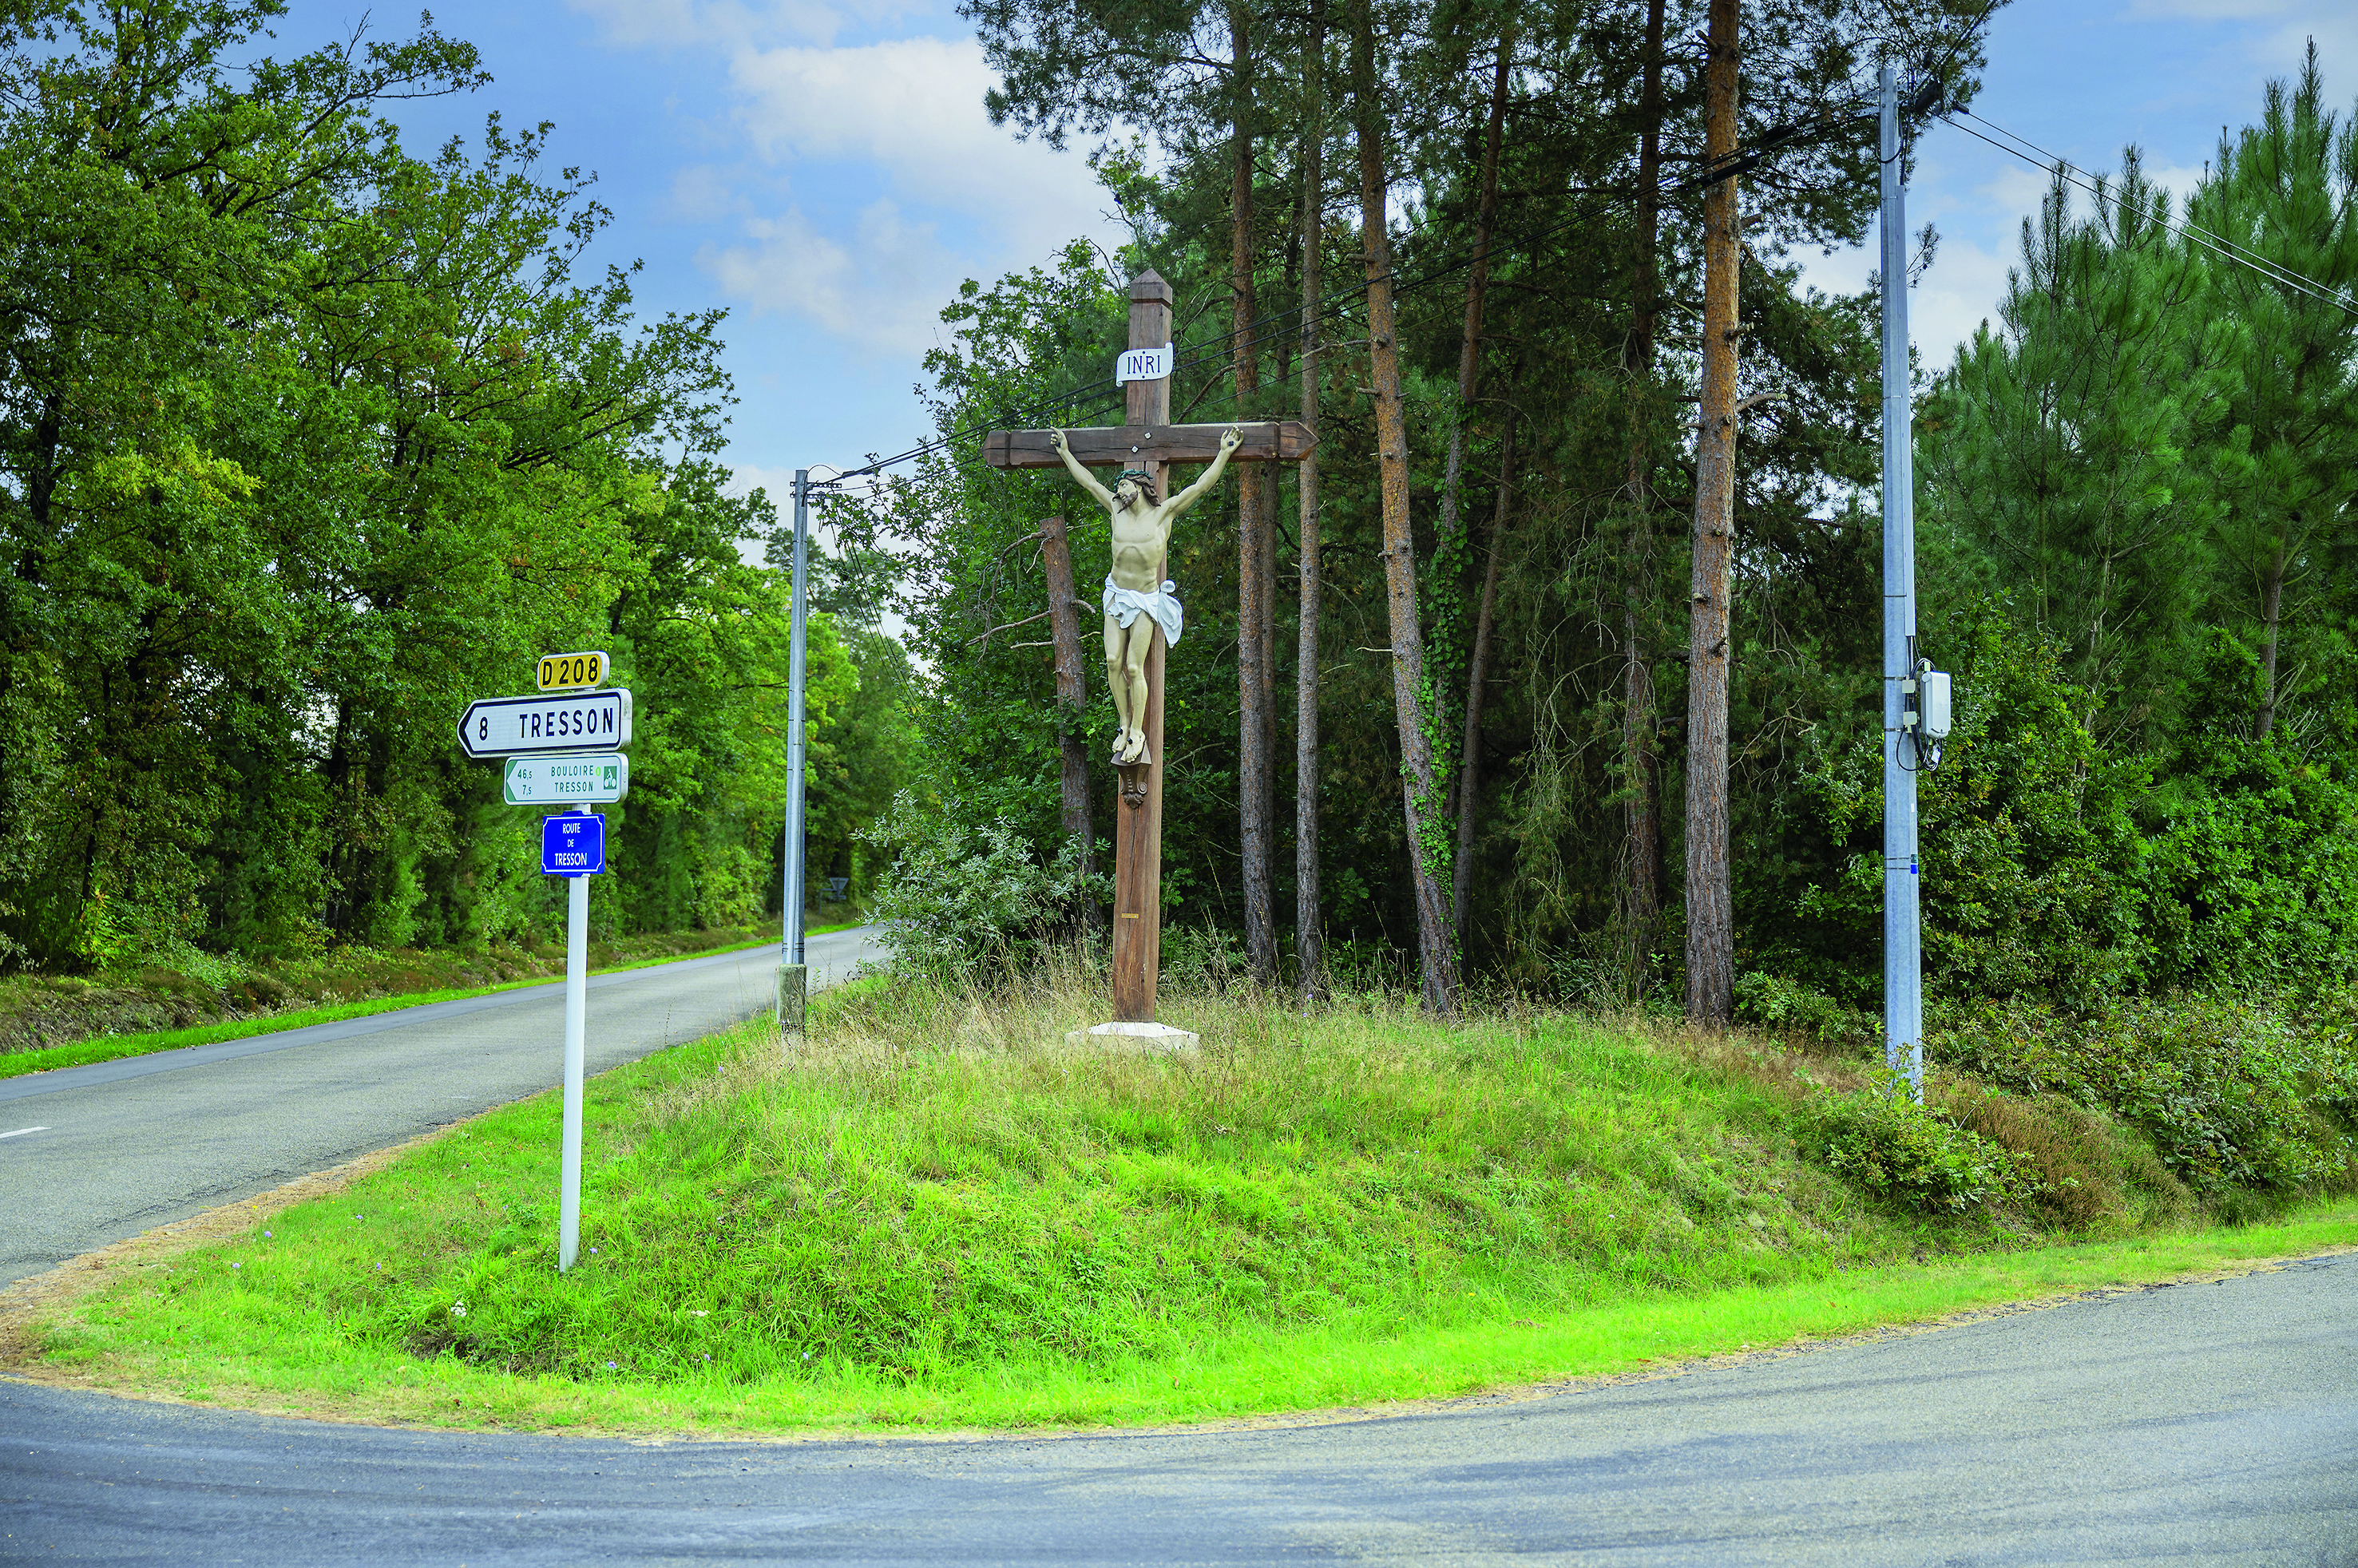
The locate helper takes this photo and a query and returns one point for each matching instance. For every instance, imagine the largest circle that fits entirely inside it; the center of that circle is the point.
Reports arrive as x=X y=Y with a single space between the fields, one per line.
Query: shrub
x=1776 y=1002
x=2233 y=1093
x=1882 y=1140
x=960 y=897
x=2032 y=855
x=2089 y=1171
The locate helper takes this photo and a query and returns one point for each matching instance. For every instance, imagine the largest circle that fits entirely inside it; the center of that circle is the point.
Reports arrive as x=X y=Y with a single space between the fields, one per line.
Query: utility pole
x=1903 y=956
x=794 y=974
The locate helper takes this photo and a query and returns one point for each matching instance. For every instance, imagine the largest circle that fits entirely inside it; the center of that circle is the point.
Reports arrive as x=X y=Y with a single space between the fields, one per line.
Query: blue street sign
x=573 y=845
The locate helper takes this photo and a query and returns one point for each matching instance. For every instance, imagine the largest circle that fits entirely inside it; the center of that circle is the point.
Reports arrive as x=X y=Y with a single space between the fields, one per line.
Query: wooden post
x=1145 y=441
x=1138 y=840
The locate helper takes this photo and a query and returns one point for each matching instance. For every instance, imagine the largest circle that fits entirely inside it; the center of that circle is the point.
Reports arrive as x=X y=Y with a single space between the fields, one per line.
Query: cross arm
x=1132 y=446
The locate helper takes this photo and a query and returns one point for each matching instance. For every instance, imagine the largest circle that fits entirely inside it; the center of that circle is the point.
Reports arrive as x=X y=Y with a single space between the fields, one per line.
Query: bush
x=2232 y=1093
x=1882 y=1140
x=2032 y=854
x=2091 y=1172
x=1776 y=1002
x=961 y=898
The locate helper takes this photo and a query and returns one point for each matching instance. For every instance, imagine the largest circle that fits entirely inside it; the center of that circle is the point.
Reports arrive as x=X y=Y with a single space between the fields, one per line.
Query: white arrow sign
x=597 y=779
x=554 y=721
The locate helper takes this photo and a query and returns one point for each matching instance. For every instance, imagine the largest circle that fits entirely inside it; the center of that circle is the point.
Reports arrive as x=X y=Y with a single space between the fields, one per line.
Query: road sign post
x=563 y=747
x=574 y=847
x=577 y=1052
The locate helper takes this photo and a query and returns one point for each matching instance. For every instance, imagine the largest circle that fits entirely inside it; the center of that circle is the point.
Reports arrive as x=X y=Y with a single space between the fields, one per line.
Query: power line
x=2226 y=249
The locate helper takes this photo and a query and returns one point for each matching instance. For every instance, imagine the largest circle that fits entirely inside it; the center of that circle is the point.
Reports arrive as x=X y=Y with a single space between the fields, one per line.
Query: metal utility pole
x=1903 y=959
x=793 y=973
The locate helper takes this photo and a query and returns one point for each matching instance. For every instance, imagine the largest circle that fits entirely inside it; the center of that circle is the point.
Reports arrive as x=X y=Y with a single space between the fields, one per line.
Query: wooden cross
x=1145 y=441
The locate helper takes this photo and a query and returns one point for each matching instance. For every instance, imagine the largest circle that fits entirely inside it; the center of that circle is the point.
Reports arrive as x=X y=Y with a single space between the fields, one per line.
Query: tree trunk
x=1309 y=935
x=1469 y=761
x=1470 y=353
x=1711 y=918
x=1642 y=842
x=2272 y=621
x=1072 y=704
x=1256 y=560
x=1427 y=845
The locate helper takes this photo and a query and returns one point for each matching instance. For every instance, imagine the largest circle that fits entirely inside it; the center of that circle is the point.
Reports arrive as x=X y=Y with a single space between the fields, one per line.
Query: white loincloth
x=1127 y=604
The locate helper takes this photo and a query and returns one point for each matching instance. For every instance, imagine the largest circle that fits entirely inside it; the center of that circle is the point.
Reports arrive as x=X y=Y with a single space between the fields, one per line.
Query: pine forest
x=1554 y=672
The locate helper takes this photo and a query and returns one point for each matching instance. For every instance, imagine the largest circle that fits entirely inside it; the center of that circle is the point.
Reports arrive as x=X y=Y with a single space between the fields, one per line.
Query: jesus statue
x=1137 y=598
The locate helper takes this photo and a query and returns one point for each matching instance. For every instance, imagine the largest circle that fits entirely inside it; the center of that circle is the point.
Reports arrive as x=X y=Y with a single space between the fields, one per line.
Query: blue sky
x=826 y=171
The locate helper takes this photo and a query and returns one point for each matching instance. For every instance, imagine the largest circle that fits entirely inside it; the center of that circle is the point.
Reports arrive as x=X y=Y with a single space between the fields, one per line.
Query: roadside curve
x=109 y=1149
x=2200 y=1424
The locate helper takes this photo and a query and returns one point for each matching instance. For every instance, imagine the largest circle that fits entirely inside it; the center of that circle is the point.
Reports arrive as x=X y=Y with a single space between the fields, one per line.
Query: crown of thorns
x=1145 y=480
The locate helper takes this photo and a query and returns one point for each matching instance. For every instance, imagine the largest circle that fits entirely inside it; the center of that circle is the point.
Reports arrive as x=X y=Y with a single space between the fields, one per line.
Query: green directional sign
x=594 y=779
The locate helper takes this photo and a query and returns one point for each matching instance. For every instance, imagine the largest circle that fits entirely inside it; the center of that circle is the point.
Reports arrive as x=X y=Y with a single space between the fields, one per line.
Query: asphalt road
x=2210 y=1423
x=89 y=1155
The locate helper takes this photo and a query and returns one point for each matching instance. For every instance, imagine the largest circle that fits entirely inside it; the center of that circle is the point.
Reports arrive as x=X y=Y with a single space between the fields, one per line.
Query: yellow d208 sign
x=560 y=672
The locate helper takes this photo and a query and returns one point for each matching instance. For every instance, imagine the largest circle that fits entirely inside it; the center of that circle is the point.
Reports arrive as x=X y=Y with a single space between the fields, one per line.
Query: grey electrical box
x=1932 y=703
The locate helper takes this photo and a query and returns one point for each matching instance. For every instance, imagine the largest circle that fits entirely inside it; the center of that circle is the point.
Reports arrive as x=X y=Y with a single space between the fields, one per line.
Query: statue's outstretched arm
x=1211 y=476
x=1072 y=465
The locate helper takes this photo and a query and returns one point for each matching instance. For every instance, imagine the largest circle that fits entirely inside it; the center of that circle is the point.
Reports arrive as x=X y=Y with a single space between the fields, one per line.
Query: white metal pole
x=1903 y=976
x=577 y=1030
x=790 y=957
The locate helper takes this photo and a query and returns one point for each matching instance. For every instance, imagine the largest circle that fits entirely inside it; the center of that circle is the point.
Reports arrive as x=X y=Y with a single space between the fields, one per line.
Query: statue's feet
x=1120 y=746
x=1134 y=753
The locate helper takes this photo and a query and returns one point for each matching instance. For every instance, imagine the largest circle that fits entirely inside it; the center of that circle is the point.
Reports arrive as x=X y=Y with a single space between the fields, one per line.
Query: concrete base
x=1144 y=1039
x=794 y=999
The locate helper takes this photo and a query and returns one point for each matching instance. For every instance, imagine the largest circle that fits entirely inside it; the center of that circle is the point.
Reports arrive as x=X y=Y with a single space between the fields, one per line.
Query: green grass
x=933 y=1214
x=108 y=1047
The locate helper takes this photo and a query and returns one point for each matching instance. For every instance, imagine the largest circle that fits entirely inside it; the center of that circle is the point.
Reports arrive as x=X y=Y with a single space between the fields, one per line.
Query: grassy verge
x=935 y=1215
x=108 y=1047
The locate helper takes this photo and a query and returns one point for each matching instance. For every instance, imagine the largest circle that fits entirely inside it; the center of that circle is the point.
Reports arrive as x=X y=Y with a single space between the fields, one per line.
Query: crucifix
x=1145 y=444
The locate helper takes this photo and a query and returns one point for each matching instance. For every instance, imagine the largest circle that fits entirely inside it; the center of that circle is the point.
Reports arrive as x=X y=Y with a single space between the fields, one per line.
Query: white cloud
x=2017 y=189
x=906 y=116
x=744 y=479
x=2179 y=179
x=2280 y=52
x=700 y=194
x=913 y=108
x=674 y=24
x=1959 y=292
x=2212 y=10
x=880 y=291
x=2277 y=50
x=901 y=187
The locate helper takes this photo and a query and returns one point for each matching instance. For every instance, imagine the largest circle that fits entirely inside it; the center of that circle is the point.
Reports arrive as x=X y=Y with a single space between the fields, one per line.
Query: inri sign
x=1142 y=364
x=567 y=721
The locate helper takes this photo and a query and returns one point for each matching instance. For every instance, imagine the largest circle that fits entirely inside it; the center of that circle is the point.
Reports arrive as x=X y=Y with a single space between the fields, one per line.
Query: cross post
x=1146 y=440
